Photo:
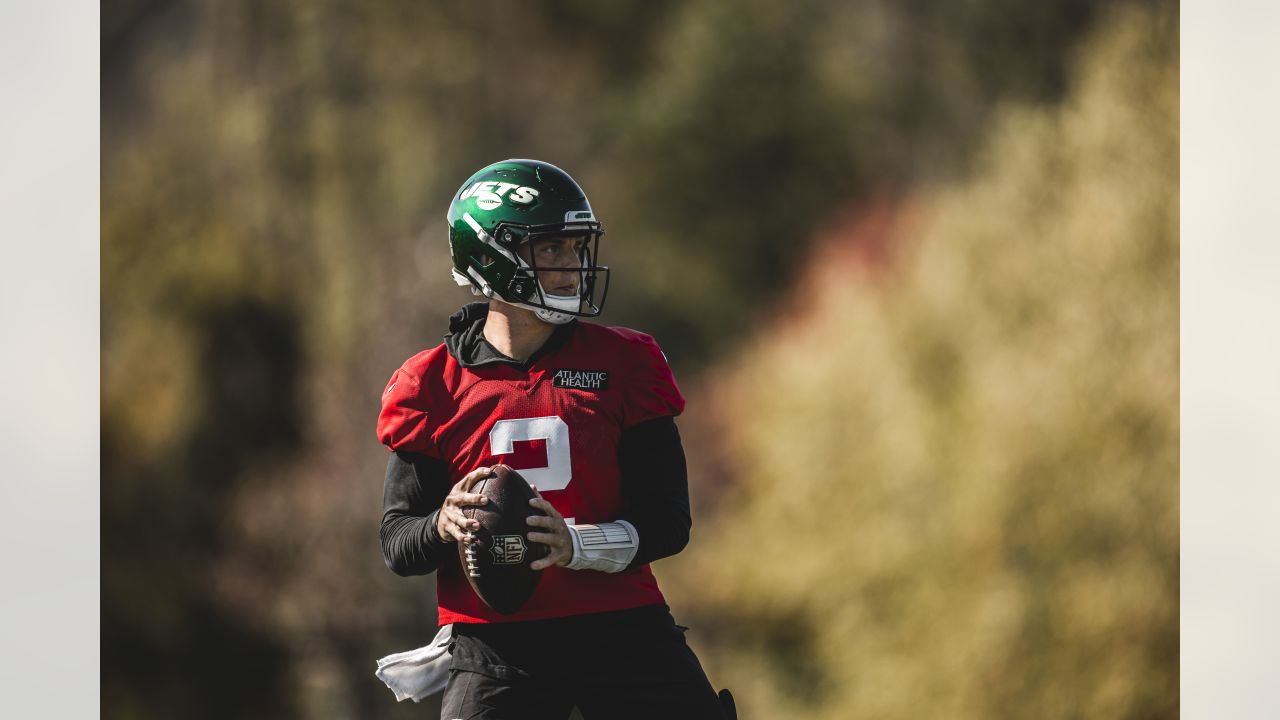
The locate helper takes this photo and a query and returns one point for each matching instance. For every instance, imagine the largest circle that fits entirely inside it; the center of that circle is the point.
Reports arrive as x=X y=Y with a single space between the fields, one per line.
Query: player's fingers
x=541 y=521
x=470 y=478
x=551 y=539
x=545 y=506
x=461 y=524
x=451 y=531
x=467 y=524
x=463 y=534
x=557 y=556
x=457 y=502
x=458 y=523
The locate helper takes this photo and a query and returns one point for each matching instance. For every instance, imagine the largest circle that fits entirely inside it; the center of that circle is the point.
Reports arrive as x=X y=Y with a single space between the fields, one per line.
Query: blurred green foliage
x=275 y=177
x=957 y=484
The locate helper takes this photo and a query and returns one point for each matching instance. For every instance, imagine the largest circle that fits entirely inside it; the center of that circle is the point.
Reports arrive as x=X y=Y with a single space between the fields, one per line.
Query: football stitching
x=473 y=569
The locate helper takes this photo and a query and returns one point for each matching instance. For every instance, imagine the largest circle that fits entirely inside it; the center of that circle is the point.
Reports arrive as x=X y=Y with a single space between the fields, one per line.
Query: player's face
x=557 y=251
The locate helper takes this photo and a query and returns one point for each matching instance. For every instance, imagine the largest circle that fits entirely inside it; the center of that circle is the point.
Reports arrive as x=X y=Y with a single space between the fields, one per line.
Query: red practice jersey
x=558 y=423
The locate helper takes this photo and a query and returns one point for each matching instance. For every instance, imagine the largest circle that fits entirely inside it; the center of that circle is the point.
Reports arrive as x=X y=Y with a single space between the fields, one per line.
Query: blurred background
x=915 y=265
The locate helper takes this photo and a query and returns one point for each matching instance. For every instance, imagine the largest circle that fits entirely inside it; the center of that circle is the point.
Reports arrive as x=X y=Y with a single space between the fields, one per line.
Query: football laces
x=472 y=568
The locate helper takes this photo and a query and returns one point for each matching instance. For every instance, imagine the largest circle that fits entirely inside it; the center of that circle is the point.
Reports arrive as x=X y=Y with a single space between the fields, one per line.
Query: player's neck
x=514 y=331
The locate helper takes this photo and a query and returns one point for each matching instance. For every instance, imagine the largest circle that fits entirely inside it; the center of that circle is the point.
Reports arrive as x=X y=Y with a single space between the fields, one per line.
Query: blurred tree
x=769 y=116
x=958 y=483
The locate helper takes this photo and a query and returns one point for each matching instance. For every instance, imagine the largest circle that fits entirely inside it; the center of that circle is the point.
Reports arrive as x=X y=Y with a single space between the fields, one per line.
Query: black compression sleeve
x=412 y=492
x=655 y=488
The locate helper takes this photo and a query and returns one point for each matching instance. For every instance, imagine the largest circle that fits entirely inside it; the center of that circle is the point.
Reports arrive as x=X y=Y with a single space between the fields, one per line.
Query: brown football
x=497 y=562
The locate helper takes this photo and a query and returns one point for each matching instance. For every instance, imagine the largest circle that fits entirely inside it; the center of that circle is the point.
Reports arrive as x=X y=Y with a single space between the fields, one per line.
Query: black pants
x=612 y=666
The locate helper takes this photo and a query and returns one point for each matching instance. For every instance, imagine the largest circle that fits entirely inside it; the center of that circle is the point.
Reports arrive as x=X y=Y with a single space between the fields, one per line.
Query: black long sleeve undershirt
x=655 y=488
x=412 y=492
x=655 y=496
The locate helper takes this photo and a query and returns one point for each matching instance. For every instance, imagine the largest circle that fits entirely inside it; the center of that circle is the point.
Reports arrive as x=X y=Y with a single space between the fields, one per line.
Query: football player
x=586 y=413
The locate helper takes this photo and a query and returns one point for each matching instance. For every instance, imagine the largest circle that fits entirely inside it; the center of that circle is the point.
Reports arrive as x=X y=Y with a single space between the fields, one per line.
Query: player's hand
x=556 y=536
x=452 y=525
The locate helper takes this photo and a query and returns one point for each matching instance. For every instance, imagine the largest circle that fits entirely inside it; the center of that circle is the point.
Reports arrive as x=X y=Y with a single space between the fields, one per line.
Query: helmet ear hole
x=522 y=287
x=511 y=236
x=484 y=260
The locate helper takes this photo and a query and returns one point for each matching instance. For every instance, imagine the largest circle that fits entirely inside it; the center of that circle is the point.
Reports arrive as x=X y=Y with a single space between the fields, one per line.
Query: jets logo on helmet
x=513 y=202
x=488 y=195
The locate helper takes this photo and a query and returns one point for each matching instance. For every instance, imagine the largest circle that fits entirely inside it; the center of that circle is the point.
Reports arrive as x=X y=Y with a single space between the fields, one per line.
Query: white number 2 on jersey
x=558 y=471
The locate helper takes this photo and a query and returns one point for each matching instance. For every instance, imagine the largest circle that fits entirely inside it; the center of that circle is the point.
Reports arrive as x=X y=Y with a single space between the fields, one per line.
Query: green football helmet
x=513 y=202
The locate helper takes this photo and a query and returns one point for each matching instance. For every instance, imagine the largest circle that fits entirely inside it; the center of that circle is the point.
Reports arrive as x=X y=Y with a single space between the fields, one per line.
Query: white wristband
x=607 y=547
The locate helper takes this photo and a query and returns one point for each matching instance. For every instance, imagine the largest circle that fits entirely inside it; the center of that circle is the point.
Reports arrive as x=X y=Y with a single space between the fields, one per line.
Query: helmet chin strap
x=561 y=302
x=550 y=315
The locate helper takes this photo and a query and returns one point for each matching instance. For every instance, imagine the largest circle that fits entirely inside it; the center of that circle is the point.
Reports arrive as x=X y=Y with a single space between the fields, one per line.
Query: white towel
x=421 y=673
